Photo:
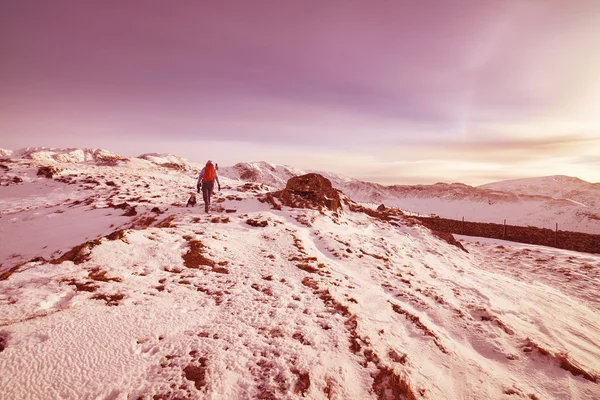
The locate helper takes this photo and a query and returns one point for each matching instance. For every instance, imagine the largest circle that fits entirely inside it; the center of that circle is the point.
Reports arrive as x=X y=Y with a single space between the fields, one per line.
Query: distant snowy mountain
x=557 y=187
x=261 y=172
x=5 y=153
x=111 y=288
x=53 y=155
x=169 y=161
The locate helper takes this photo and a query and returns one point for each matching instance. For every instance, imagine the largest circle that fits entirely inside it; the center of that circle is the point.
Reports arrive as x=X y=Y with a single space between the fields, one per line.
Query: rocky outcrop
x=312 y=191
x=48 y=171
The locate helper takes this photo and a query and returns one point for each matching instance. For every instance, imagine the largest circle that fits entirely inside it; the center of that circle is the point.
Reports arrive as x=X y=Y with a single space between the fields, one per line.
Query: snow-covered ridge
x=261 y=172
x=5 y=153
x=169 y=160
x=69 y=155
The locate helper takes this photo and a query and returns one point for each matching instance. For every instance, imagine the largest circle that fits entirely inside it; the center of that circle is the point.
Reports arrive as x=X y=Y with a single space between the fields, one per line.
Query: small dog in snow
x=191 y=200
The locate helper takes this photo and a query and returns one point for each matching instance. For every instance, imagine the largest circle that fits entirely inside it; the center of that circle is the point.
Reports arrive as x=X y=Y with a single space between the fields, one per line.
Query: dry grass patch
x=78 y=254
x=307 y=267
x=82 y=286
x=6 y=274
x=257 y=223
x=110 y=299
x=167 y=222
x=388 y=385
x=417 y=322
x=303 y=383
x=118 y=235
x=3 y=341
x=97 y=274
x=195 y=258
x=563 y=360
x=197 y=373
x=375 y=256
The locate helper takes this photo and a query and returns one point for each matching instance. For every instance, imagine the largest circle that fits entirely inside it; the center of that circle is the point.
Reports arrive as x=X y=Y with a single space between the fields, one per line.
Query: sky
x=389 y=91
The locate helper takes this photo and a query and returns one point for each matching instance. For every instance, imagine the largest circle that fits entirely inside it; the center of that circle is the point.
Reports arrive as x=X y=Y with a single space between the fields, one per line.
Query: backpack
x=209 y=172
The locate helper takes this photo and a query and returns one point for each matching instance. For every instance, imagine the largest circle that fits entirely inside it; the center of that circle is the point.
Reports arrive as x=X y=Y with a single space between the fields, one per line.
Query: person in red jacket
x=206 y=181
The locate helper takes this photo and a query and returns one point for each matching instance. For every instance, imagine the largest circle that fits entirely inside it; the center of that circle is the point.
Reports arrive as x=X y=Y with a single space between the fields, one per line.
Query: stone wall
x=524 y=234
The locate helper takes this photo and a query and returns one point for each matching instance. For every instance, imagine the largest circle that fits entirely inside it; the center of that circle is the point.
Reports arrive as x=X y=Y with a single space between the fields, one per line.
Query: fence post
x=504 y=231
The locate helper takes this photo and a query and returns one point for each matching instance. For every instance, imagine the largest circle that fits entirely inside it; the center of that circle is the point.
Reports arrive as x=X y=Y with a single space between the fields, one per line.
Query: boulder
x=312 y=191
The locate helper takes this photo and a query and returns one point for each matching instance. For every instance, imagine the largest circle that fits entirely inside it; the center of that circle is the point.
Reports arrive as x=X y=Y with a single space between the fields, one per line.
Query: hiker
x=206 y=182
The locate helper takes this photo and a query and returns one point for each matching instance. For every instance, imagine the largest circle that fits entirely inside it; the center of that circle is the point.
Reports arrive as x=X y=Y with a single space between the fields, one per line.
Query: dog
x=192 y=200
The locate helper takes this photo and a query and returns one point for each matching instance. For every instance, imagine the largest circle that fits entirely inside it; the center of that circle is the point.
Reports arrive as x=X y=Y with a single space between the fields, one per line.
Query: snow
x=5 y=153
x=310 y=305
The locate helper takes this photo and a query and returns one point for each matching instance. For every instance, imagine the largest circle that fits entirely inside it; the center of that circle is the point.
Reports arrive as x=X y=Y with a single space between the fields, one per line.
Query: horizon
x=471 y=92
x=200 y=163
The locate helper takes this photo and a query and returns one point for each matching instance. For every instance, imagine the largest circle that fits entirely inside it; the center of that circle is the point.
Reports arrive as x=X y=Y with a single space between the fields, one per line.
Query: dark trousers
x=207 y=191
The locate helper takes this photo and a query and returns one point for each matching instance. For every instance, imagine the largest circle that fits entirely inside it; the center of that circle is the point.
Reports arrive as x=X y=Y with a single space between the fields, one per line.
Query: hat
x=209 y=162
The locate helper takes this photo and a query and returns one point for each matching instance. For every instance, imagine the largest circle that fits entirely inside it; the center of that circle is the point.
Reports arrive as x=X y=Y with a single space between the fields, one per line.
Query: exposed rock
x=48 y=171
x=381 y=208
x=312 y=191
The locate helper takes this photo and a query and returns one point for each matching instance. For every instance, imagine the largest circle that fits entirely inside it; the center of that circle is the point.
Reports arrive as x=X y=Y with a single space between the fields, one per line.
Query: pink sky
x=390 y=91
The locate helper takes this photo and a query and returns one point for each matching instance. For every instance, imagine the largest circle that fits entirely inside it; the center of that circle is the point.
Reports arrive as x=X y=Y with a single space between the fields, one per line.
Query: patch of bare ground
x=563 y=360
x=302 y=383
x=119 y=234
x=388 y=385
x=48 y=171
x=166 y=222
x=375 y=256
x=142 y=222
x=220 y=269
x=110 y=299
x=129 y=210
x=422 y=327
x=222 y=220
x=6 y=274
x=82 y=286
x=264 y=290
x=257 y=223
x=78 y=254
x=252 y=187
x=485 y=315
x=305 y=220
x=301 y=338
x=269 y=388
x=194 y=258
x=3 y=341
x=216 y=295
x=268 y=198
x=196 y=372
x=307 y=267
x=97 y=274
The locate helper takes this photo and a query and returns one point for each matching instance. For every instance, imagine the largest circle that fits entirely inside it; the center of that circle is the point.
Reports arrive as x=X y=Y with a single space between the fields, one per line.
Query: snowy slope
x=253 y=302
